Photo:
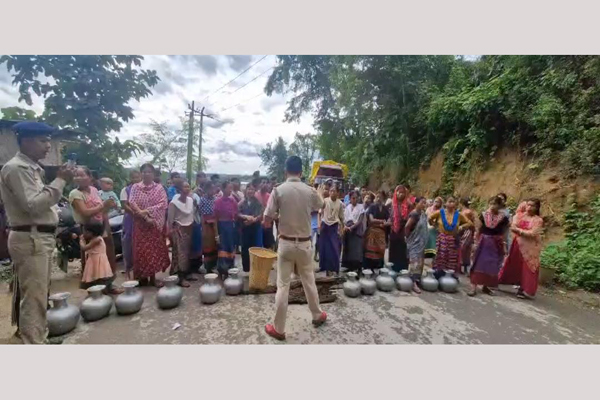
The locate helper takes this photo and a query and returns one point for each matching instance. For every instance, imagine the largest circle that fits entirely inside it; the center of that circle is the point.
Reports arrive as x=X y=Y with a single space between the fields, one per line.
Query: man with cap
x=31 y=211
x=293 y=202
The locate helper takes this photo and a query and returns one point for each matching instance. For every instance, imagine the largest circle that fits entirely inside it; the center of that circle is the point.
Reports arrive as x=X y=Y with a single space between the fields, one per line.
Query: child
x=97 y=268
x=106 y=192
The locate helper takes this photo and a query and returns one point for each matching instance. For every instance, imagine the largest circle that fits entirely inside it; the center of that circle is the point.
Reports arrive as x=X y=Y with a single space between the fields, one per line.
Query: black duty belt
x=291 y=239
x=39 y=228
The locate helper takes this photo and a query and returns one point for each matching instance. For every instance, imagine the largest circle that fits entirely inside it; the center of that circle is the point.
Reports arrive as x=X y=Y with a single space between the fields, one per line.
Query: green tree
x=89 y=94
x=18 y=114
x=168 y=147
x=391 y=114
x=366 y=108
x=305 y=147
x=273 y=156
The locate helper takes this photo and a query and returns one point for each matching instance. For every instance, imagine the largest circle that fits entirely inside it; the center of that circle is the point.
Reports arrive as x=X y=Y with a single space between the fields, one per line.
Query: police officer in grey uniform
x=32 y=217
x=293 y=202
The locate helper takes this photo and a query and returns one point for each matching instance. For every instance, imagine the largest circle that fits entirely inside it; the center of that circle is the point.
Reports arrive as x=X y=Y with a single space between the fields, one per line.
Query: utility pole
x=200 y=141
x=190 y=143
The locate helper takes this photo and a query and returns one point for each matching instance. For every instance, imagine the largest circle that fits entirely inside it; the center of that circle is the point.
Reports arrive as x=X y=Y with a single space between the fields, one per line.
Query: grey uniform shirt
x=26 y=199
x=293 y=201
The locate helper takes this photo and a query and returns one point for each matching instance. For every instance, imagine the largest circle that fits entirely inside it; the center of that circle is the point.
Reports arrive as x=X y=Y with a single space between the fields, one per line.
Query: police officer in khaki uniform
x=31 y=212
x=293 y=202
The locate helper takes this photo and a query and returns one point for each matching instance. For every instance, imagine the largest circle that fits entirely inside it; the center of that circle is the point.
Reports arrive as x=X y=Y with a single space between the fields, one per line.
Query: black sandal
x=488 y=291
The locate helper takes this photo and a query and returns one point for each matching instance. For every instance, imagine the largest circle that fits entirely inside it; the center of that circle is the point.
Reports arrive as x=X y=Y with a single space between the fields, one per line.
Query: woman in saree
x=450 y=224
x=489 y=254
x=226 y=214
x=430 y=247
x=522 y=266
x=251 y=216
x=180 y=220
x=416 y=232
x=401 y=207
x=89 y=209
x=375 y=243
x=126 y=238
x=467 y=239
x=148 y=201
x=353 y=234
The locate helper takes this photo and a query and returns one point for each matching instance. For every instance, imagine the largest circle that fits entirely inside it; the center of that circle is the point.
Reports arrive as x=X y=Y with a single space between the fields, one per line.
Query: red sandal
x=321 y=320
x=270 y=330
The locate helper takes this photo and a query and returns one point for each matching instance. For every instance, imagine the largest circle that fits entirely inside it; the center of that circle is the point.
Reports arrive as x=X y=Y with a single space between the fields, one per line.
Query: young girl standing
x=97 y=267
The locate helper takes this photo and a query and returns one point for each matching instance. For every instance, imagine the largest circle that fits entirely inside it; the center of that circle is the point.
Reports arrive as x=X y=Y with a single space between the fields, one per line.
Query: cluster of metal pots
x=388 y=280
x=63 y=317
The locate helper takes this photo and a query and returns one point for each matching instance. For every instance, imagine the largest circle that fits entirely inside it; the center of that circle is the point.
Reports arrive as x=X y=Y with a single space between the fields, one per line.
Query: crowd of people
x=448 y=235
x=209 y=224
x=205 y=226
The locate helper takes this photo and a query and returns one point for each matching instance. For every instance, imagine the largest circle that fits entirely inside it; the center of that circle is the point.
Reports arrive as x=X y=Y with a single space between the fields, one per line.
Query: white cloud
x=247 y=119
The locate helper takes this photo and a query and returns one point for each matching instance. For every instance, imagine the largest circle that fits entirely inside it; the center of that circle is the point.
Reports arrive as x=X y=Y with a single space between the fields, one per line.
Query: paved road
x=385 y=318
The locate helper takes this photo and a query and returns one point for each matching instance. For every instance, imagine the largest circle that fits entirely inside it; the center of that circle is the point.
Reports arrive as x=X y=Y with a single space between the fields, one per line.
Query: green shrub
x=577 y=258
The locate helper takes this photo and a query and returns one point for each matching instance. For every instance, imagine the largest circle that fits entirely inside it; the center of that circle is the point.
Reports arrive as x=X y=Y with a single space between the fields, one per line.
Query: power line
x=242 y=102
x=241 y=73
x=249 y=82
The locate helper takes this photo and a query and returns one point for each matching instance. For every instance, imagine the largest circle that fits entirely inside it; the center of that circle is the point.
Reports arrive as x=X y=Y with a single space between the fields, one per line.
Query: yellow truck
x=323 y=171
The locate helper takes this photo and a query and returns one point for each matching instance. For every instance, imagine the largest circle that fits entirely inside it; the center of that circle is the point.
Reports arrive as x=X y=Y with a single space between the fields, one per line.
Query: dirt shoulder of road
x=580 y=296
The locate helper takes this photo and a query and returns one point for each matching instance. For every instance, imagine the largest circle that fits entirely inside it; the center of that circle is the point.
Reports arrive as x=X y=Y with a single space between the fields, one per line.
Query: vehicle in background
x=324 y=171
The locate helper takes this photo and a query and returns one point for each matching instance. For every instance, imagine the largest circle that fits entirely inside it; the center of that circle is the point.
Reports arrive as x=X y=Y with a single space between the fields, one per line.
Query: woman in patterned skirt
x=375 y=242
x=180 y=228
x=489 y=254
x=148 y=201
x=430 y=247
x=416 y=239
x=450 y=225
x=467 y=238
x=251 y=215
x=210 y=233
x=226 y=213
x=401 y=207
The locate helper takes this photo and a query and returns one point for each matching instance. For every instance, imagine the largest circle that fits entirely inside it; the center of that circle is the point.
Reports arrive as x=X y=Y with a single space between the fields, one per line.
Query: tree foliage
x=305 y=147
x=89 y=94
x=273 y=156
x=168 y=147
x=395 y=112
x=17 y=114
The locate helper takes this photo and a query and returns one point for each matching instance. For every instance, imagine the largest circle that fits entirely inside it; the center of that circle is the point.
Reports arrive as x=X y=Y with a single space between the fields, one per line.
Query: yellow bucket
x=261 y=263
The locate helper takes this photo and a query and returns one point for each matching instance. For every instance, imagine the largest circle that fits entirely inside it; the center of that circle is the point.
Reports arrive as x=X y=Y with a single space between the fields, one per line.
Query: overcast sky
x=248 y=118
